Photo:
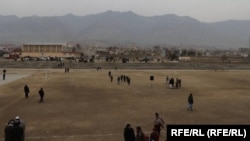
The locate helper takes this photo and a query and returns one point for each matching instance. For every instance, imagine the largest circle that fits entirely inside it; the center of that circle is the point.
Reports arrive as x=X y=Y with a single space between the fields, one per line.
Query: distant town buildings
x=131 y=53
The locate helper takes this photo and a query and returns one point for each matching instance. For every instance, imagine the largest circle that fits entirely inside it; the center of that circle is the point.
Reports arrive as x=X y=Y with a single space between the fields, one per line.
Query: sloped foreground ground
x=85 y=105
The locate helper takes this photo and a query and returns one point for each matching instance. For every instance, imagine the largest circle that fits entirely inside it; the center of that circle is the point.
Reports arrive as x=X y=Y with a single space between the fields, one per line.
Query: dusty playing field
x=85 y=105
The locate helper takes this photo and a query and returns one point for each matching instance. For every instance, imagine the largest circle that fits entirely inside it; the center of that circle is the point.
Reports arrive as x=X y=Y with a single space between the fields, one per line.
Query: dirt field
x=85 y=105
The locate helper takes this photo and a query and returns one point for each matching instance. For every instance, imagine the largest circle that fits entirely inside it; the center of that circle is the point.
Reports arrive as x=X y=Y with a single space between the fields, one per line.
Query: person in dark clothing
x=171 y=83
x=41 y=93
x=128 y=80
x=20 y=121
x=14 y=130
x=179 y=82
x=9 y=131
x=26 y=91
x=18 y=132
x=118 y=80
x=190 y=102
x=111 y=78
x=4 y=74
x=140 y=136
x=129 y=134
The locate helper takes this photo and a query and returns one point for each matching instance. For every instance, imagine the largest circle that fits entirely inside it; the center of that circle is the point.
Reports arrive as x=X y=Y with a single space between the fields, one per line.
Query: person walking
x=129 y=134
x=190 y=102
x=41 y=93
x=158 y=123
x=26 y=91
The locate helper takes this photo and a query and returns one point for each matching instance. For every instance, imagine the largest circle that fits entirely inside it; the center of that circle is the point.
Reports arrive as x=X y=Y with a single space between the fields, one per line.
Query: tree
x=184 y=52
x=78 y=46
x=191 y=53
x=81 y=55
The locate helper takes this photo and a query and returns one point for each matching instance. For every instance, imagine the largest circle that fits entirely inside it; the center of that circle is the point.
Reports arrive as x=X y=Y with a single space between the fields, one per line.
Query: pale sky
x=202 y=10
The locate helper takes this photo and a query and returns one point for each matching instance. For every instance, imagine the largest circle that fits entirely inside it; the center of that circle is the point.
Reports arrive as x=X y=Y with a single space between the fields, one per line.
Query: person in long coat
x=129 y=134
x=41 y=93
x=9 y=131
x=26 y=91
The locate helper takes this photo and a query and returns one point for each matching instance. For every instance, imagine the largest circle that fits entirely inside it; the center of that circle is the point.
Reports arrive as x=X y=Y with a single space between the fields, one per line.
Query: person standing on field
x=41 y=93
x=26 y=91
x=158 y=123
x=190 y=102
x=129 y=134
x=140 y=136
x=4 y=74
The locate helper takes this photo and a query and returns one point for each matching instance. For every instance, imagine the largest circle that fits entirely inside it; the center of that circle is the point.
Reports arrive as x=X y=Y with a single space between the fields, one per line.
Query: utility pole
x=249 y=42
x=249 y=48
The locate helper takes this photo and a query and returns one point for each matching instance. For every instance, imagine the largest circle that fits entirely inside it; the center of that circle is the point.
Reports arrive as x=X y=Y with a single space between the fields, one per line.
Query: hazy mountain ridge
x=125 y=27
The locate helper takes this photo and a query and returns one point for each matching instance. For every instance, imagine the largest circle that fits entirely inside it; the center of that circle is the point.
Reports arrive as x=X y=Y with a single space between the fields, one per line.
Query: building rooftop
x=45 y=43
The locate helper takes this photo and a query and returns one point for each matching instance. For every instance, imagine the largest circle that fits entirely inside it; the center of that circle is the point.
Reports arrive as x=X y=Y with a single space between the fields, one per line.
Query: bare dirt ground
x=152 y=65
x=85 y=105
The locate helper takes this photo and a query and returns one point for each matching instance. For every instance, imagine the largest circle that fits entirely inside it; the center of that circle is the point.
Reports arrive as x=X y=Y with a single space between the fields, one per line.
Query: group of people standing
x=139 y=135
x=14 y=130
x=121 y=78
x=40 y=92
x=66 y=70
x=173 y=83
x=98 y=68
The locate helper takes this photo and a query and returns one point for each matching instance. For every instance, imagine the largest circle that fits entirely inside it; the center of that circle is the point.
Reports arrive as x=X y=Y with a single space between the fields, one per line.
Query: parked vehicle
x=11 y=56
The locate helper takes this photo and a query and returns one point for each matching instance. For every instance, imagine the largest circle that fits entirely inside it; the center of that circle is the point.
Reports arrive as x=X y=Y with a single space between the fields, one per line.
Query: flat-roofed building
x=48 y=50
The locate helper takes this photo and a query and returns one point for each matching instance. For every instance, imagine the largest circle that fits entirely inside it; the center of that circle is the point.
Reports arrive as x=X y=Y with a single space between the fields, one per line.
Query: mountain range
x=123 y=28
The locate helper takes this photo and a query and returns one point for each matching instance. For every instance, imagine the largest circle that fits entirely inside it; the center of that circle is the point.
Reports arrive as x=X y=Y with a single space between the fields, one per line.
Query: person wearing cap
x=41 y=93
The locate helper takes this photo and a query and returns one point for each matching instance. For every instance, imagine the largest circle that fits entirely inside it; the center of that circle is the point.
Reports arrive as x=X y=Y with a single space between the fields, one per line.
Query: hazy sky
x=202 y=10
